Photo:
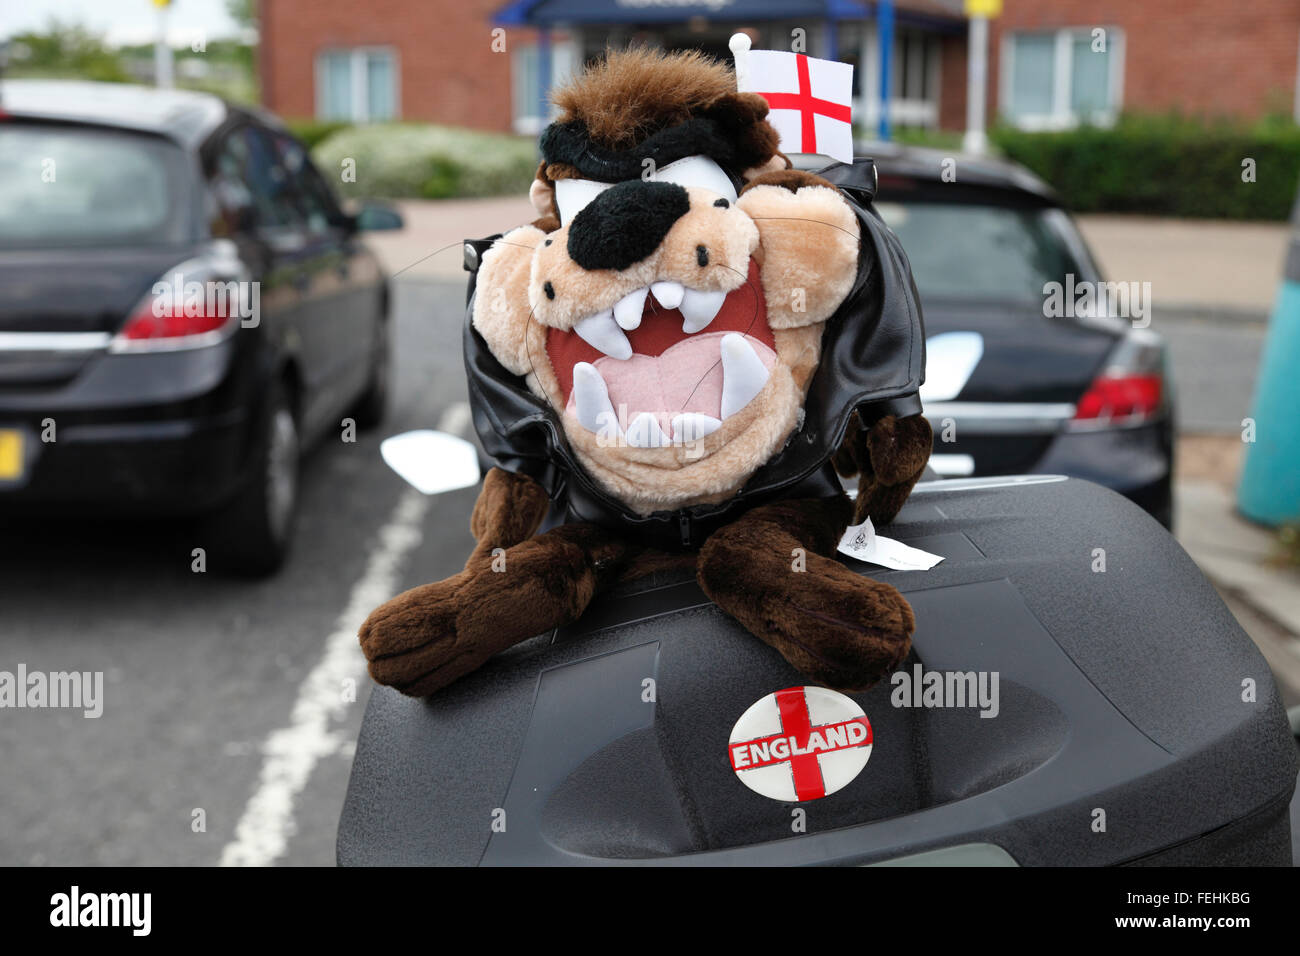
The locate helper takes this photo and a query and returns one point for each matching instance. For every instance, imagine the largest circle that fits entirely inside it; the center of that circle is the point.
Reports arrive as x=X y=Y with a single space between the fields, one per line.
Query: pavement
x=1241 y=558
x=429 y=247
x=1243 y=260
x=1207 y=267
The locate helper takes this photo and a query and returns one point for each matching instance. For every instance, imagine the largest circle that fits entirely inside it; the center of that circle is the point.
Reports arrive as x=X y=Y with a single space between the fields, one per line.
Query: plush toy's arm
x=774 y=570
x=807 y=247
x=429 y=636
x=509 y=510
x=889 y=458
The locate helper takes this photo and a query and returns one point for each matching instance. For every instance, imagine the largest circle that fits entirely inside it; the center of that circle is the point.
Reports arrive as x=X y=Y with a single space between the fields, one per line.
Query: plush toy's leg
x=771 y=571
x=424 y=639
x=889 y=458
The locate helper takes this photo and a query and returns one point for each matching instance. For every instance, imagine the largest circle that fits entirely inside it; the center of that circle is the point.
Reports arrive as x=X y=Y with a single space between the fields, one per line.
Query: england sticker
x=801 y=743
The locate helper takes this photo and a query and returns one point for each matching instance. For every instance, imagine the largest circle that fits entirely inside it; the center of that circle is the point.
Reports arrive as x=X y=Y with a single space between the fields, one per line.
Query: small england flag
x=810 y=99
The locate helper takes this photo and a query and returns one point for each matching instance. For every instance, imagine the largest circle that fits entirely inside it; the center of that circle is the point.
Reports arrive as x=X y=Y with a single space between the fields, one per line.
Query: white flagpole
x=739 y=44
x=976 y=141
x=162 y=52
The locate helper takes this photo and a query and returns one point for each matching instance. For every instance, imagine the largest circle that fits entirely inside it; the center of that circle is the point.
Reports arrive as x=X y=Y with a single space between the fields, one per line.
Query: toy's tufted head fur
x=627 y=95
x=630 y=97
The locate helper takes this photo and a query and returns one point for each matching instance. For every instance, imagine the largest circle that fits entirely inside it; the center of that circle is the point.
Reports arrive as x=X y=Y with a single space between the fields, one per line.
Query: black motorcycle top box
x=1135 y=722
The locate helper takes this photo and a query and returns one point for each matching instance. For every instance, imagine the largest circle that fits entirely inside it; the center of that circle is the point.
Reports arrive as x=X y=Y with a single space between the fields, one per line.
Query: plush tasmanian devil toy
x=673 y=356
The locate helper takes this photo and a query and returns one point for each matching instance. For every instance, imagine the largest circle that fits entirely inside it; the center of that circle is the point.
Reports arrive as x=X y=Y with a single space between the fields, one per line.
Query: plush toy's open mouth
x=667 y=364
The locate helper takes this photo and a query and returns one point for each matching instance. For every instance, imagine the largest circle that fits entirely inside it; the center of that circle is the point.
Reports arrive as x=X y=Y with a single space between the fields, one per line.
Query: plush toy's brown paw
x=838 y=628
x=842 y=630
x=424 y=639
x=412 y=642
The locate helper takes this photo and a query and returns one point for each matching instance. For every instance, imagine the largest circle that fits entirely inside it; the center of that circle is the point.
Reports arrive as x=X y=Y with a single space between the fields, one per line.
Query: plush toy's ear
x=542 y=194
x=742 y=119
x=778 y=163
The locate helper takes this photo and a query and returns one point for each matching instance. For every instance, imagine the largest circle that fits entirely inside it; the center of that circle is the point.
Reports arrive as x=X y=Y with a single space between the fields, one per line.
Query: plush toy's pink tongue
x=686 y=382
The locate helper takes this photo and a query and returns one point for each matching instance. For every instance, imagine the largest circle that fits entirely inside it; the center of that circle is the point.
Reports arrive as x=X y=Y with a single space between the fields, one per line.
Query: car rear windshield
x=960 y=250
x=75 y=186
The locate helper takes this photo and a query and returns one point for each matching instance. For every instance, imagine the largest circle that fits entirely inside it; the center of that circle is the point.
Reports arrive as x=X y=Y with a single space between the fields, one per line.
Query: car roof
x=928 y=164
x=185 y=116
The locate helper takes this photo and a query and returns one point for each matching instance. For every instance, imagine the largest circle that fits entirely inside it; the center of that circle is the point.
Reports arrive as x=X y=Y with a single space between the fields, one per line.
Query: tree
x=65 y=49
x=243 y=12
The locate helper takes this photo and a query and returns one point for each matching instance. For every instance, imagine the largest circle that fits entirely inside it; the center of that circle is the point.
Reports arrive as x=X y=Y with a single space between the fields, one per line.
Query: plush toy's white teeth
x=590 y=394
x=627 y=310
x=699 y=309
x=668 y=294
x=644 y=432
x=692 y=426
x=600 y=331
x=743 y=374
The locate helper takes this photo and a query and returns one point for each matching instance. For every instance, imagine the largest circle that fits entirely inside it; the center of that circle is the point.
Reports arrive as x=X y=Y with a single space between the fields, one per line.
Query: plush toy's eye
x=700 y=172
x=571 y=195
x=721 y=203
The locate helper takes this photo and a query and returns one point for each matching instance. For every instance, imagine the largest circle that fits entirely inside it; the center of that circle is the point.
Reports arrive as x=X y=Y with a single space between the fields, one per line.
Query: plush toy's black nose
x=625 y=223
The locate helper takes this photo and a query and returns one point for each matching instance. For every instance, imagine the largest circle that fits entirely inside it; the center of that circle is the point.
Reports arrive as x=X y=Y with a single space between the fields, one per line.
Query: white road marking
x=291 y=753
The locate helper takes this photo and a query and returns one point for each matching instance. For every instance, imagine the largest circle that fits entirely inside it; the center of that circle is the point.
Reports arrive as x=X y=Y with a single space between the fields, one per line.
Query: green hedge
x=313 y=132
x=1165 y=166
x=409 y=161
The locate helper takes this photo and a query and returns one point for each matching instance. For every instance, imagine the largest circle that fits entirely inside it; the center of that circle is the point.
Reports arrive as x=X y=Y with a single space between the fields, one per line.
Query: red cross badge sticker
x=801 y=743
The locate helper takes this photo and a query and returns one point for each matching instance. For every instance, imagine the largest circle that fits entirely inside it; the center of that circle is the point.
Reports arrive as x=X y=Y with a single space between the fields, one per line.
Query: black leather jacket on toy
x=872 y=361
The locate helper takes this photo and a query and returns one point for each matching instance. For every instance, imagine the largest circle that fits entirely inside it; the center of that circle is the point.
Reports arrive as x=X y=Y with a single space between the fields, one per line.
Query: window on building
x=526 y=89
x=359 y=86
x=916 y=57
x=1062 y=79
x=914 y=76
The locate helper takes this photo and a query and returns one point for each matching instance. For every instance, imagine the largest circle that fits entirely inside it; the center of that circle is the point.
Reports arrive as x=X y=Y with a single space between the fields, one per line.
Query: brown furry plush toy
x=672 y=357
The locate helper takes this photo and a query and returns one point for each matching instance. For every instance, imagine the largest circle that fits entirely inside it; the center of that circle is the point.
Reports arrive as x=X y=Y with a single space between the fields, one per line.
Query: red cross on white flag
x=811 y=100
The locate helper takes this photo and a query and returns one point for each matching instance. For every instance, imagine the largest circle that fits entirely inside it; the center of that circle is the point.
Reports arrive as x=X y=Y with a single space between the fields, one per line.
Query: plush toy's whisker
x=815 y=222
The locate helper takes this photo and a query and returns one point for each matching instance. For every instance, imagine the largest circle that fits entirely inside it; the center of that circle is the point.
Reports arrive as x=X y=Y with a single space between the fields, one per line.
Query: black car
x=184 y=306
x=1018 y=381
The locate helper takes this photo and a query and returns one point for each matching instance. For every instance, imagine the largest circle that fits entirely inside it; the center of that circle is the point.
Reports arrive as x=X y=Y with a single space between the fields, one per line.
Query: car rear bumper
x=158 y=433
x=174 y=466
x=1136 y=461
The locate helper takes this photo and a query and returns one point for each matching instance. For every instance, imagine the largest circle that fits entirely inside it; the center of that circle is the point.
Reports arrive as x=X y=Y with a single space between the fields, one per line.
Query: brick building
x=1052 y=63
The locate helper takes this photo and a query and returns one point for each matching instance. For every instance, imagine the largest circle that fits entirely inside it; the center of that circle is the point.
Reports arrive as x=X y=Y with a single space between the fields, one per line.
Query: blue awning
x=550 y=13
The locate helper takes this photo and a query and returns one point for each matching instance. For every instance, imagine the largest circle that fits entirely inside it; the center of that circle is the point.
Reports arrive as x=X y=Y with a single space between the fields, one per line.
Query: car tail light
x=145 y=326
x=166 y=321
x=1131 y=389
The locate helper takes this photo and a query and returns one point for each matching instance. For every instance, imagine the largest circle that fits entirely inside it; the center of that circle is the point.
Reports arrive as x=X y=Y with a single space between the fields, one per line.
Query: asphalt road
x=230 y=698
x=1214 y=367
x=208 y=695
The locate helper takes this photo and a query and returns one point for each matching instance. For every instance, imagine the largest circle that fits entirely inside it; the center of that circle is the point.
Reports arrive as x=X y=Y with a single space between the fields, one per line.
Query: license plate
x=11 y=454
